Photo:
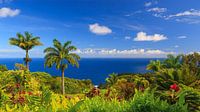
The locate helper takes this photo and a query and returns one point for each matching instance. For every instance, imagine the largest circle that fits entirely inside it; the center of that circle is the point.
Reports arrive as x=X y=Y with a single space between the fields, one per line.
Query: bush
x=99 y=104
x=192 y=98
x=72 y=86
x=93 y=92
x=147 y=102
x=141 y=102
x=124 y=89
x=3 y=68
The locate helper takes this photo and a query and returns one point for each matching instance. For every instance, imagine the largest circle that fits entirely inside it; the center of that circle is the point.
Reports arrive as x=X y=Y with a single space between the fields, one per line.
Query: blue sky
x=104 y=28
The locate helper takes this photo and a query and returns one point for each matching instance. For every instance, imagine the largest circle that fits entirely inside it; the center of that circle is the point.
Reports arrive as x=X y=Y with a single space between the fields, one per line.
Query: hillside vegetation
x=171 y=85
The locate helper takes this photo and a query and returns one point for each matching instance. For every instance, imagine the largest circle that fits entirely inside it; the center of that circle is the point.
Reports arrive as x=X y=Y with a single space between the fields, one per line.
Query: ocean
x=95 y=69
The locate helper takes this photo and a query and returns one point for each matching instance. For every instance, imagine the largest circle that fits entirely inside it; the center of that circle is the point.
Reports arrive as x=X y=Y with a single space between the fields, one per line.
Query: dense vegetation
x=172 y=85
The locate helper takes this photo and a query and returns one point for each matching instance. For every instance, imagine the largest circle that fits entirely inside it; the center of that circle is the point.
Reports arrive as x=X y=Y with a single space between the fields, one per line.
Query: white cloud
x=99 y=30
x=189 y=20
x=127 y=37
x=122 y=53
x=92 y=52
x=182 y=37
x=147 y=4
x=142 y=36
x=158 y=52
x=157 y=9
x=191 y=12
x=134 y=13
x=8 y=12
x=191 y=16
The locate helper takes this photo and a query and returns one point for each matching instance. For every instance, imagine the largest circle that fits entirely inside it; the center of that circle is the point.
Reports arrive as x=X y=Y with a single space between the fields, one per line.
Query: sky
x=104 y=28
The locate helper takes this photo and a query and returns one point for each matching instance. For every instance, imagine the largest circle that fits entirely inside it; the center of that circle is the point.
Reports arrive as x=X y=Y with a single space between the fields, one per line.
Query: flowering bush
x=93 y=92
x=175 y=87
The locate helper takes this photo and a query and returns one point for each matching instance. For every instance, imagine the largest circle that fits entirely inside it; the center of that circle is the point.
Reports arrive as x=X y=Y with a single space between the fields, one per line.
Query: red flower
x=30 y=93
x=22 y=92
x=175 y=87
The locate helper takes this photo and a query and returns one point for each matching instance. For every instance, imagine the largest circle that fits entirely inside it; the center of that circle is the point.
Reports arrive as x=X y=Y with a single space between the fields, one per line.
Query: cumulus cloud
x=99 y=30
x=8 y=12
x=122 y=53
x=182 y=37
x=157 y=9
x=142 y=36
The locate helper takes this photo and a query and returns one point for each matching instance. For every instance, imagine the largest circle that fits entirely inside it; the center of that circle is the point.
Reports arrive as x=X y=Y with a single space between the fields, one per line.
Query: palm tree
x=25 y=42
x=112 y=79
x=173 y=61
x=61 y=55
x=154 y=66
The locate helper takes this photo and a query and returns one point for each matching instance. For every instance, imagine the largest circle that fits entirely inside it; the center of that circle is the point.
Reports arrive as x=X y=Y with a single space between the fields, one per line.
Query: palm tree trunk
x=63 y=81
x=27 y=60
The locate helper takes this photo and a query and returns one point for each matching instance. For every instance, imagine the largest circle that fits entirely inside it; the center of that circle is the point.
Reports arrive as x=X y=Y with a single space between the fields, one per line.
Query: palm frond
x=71 y=48
x=51 y=50
x=75 y=56
x=66 y=44
x=26 y=41
x=72 y=60
x=57 y=44
x=14 y=41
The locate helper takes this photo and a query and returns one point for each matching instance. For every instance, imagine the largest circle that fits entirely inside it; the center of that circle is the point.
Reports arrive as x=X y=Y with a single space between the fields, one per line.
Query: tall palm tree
x=61 y=55
x=25 y=42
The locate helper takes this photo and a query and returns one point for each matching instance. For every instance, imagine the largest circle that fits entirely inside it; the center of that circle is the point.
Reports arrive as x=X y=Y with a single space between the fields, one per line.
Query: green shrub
x=141 y=102
x=124 y=89
x=72 y=86
x=147 y=102
x=192 y=98
x=3 y=68
x=99 y=104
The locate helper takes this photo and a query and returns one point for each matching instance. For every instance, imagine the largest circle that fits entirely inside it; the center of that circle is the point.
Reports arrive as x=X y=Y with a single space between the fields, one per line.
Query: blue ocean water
x=96 y=69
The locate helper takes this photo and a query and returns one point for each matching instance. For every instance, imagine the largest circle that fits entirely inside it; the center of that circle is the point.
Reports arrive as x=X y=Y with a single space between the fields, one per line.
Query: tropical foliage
x=3 y=68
